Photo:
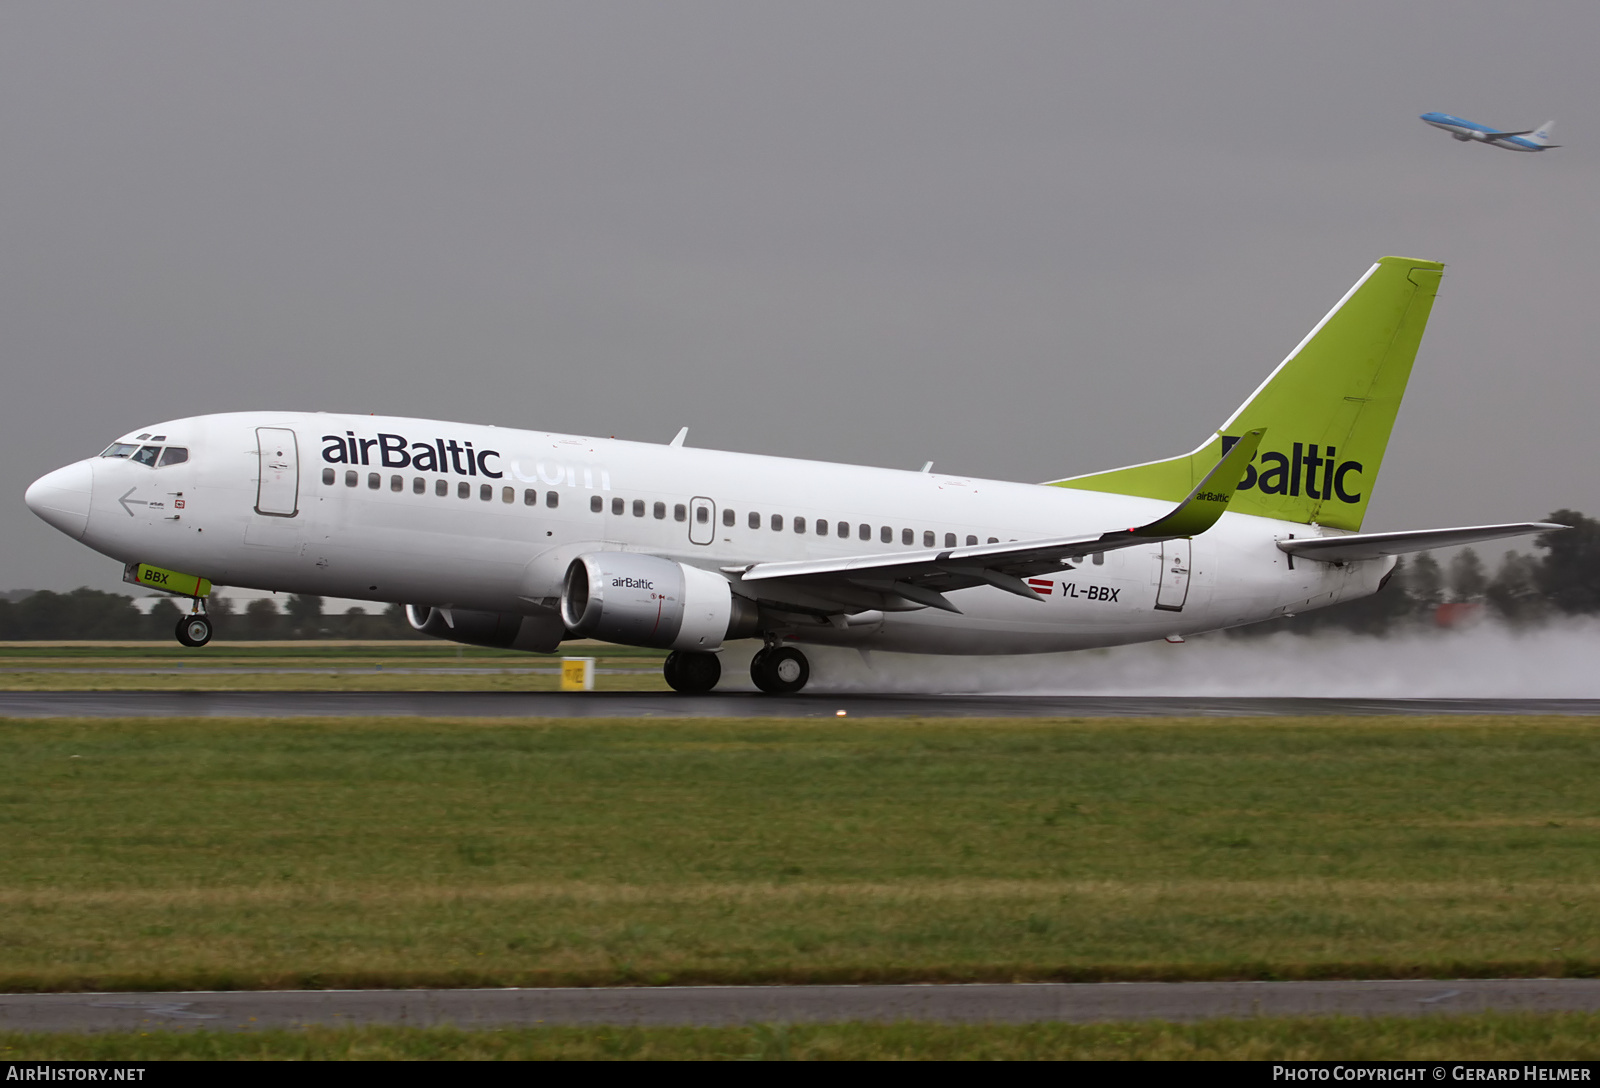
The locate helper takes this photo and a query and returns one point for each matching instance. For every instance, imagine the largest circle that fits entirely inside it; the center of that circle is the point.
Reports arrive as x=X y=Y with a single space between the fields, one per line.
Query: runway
x=597 y=704
x=1017 y=1003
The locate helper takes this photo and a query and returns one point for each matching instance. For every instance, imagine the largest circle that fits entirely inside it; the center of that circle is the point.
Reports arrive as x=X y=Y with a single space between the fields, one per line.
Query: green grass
x=1483 y=1037
x=232 y=854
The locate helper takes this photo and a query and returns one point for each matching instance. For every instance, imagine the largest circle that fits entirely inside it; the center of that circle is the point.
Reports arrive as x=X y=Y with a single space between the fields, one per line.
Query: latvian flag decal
x=1042 y=586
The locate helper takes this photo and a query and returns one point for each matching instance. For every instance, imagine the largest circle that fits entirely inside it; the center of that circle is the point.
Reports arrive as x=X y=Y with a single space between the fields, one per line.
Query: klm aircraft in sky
x=1530 y=139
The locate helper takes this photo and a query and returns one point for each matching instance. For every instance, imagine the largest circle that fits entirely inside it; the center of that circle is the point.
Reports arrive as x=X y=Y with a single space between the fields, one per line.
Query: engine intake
x=645 y=600
x=501 y=630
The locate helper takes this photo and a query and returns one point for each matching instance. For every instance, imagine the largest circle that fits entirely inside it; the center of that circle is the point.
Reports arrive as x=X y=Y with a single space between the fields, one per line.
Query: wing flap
x=1358 y=546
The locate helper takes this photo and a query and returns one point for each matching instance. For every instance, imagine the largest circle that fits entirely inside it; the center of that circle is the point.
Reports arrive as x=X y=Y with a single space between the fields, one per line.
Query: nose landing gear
x=691 y=672
x=780 y=670
x=194 y=630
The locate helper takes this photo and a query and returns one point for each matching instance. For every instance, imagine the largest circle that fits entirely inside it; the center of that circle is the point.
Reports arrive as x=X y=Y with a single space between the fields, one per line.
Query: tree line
x=1520 y=589
x=93 y=614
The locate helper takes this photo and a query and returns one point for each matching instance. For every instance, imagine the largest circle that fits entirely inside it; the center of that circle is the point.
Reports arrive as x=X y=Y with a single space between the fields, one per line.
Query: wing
x=1504 y=135
x=902 y=580
x=1357 y=546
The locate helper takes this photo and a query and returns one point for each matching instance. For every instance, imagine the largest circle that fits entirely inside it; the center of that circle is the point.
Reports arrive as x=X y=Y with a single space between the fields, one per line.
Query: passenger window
x=949 y=540
x=327 y=475
x=174 y=455
x=638 y=508
x=147 y=456
x=799 y=525
x=1098 y=559
x=822 y=526
x=552 y=499
x=777 y=523
x=844 y=530
x=374 y=481
x=971 y=540
x=616 y=507
x=419 y=486
x=349 y=477
x=680 y=512
x=396 y=483
x=508 y=494
x=597 y=505
x=486 y=492
x=530 y=497
x=660 y=509
x=927 y=538
x=463 y=490
x=702 y=514
x=886 y=535
x=727 y=515
x=907 y=537
x=755 y=520
x=994 y=540
x=119 y=449
x=441 y=488
x=865 y=532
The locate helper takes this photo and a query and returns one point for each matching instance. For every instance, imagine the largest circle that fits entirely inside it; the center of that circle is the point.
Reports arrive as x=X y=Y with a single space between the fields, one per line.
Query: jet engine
x=501 y=630
x=645 y=600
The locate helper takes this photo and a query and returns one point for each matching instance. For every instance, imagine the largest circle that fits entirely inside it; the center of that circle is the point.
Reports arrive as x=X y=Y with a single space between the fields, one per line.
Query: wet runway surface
x=727 y=1005
x=448 y=704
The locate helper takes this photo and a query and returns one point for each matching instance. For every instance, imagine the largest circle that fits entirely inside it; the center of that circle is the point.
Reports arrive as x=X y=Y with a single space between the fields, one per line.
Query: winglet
x=1210 y=498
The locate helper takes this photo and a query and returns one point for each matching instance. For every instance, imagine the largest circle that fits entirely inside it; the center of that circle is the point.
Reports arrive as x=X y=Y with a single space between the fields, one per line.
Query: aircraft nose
x=62 y=497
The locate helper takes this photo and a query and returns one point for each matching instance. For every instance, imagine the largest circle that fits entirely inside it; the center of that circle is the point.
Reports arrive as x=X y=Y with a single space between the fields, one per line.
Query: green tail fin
x=1328 y=410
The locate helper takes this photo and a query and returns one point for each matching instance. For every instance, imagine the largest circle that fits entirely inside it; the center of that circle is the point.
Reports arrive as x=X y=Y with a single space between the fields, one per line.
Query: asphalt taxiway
x=621 y=704
x=1013 y=1003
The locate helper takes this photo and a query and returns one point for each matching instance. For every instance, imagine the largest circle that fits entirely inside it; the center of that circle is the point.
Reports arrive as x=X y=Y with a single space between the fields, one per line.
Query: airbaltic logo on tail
x=1322 y=476
x=393 y=451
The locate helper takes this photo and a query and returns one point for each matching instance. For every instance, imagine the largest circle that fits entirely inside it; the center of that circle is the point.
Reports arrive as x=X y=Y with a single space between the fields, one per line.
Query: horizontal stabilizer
x=1358 y=546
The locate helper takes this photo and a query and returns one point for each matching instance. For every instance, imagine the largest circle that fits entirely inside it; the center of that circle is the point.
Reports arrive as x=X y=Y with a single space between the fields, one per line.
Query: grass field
x=1569 y=1036
x=313 y=666
x=177 y=854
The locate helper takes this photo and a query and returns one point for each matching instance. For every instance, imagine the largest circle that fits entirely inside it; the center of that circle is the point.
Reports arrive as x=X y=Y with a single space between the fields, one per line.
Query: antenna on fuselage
x=683 y=432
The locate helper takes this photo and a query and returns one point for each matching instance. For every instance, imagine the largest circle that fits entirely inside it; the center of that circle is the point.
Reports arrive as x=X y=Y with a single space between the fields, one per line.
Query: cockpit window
x=119 y=449
x=146 y=455
x=175 y=455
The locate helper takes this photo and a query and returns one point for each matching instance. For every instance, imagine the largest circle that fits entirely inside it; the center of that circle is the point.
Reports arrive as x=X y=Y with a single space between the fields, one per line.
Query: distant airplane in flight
x=1528 y=139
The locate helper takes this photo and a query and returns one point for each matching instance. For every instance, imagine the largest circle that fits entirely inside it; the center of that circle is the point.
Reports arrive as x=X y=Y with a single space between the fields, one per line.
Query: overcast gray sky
x=1022 y=240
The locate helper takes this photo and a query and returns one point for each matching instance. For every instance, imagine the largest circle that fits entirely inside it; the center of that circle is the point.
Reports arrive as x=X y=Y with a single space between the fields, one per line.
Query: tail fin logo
x=1306 y=470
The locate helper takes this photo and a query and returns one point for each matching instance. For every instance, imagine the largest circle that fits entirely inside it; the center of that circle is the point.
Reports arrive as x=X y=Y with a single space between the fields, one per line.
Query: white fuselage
x=366 y=519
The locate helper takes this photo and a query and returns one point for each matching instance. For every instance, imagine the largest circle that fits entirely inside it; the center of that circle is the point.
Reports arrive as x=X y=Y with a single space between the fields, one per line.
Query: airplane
x=1528 y=139
x=523 y=539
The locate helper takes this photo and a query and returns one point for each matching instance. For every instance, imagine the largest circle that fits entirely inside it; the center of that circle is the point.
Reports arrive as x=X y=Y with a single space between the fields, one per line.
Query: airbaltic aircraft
x=1528 y=139
x=521 y=539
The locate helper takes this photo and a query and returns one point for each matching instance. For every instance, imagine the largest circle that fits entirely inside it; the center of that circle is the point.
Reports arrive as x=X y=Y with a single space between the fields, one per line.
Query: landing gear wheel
x=691 y=672
x=194 y=630
x=780 y=671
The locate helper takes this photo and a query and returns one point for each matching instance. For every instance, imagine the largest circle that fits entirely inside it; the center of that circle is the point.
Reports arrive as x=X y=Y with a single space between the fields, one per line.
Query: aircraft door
x=1174 y=586
x=702 y=520
x=278 y=492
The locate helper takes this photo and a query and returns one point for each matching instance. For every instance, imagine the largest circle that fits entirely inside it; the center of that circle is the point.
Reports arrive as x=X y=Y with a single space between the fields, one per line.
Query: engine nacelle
x=645 y=600
x=501 y=630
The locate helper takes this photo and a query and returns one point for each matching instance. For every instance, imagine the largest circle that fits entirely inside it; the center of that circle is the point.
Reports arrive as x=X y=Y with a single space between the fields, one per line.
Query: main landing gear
x=194 y=630
x=780 y=670
x=692 y=672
